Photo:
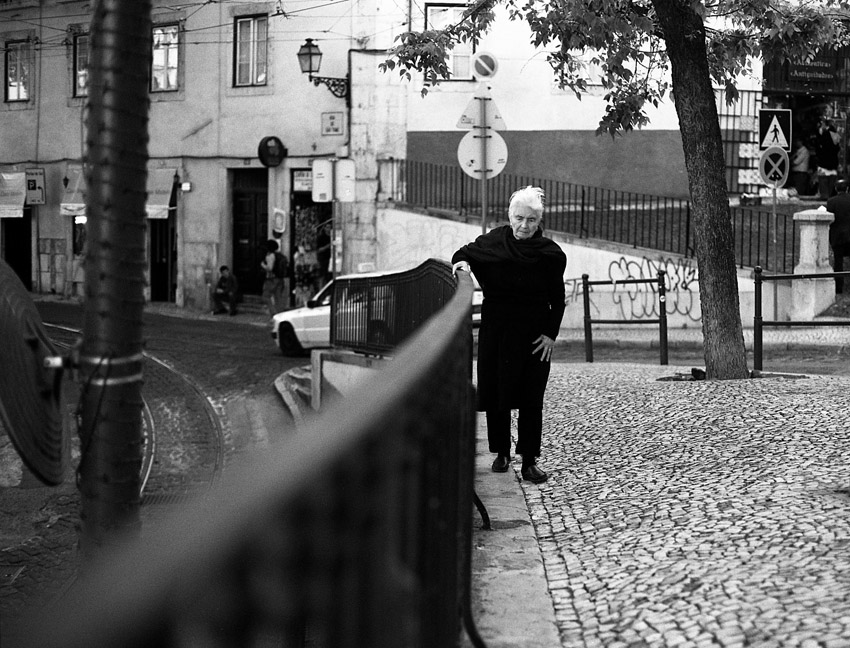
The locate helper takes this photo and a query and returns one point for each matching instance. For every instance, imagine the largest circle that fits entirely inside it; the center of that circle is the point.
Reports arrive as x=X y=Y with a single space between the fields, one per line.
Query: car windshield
x=323 y=297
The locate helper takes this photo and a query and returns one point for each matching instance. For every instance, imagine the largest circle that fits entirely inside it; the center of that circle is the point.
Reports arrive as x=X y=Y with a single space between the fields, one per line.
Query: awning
x=160 y=186
x=13 y=192
x=74 y=199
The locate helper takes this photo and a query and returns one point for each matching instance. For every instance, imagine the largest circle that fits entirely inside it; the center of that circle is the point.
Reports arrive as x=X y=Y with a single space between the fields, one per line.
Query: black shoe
x=220 y=311
x=233 y=312
x=532 y=473
x=501 y=463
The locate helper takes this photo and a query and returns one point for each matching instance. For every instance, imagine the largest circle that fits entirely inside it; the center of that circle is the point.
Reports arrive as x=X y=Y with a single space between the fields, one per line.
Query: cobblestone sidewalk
x=695 y=514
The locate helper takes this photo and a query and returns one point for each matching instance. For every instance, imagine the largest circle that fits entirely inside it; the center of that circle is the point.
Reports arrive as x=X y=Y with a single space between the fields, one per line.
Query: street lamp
x=310 y=58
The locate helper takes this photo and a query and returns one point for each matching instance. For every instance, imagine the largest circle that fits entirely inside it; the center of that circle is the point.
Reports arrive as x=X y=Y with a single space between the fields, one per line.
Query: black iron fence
x=759 y=322
x=661 y=320
x=355 y=532
x=635 y=219
x=374 y=314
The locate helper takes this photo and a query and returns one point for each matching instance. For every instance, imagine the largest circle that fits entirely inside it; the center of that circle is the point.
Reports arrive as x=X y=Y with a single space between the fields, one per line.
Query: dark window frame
x=24 y=50
x=178 y=69
x=462 y=7
x=80 y=90
x=254 y=43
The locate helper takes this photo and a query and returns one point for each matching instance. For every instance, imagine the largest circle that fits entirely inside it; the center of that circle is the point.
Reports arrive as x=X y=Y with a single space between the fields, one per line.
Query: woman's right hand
x=460 y=265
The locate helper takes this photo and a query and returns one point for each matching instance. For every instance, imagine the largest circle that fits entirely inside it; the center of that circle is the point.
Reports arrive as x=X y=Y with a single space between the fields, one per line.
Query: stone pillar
x=810 y=297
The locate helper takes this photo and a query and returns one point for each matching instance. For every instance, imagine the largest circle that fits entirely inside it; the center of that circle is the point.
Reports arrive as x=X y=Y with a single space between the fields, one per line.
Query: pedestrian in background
x=839 y=230
x=275 y=265
x=521 y=273
x=800 y=173
x=826 y=151
x=226 y=291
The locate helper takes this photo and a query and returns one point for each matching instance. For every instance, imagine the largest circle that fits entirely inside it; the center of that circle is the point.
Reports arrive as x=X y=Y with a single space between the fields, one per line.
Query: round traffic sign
x=485 y=65
x=469 y=154
x=774 y=167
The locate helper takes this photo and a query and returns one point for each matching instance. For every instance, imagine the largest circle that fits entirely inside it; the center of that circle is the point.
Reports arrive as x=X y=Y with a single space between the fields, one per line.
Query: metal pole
x=333 y=218
x=588 y=335
x=484 y=134
x=111 y=359
x=662 y=316
x=757 y=322
x=775 y=258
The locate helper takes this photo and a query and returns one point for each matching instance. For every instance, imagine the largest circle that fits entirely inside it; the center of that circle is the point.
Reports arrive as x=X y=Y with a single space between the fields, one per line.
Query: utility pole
x=110 y=358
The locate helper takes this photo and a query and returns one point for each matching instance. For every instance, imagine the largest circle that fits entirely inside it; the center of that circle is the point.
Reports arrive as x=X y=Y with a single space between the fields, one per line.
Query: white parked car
x=309 y=327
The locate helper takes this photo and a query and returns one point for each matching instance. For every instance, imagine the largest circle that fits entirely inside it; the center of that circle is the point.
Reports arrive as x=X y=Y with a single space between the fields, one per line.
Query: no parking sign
x=774 y=167
x=485 y=65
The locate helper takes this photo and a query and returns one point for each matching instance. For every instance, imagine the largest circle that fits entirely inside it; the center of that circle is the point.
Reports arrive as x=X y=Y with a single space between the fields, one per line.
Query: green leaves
x=627 y=45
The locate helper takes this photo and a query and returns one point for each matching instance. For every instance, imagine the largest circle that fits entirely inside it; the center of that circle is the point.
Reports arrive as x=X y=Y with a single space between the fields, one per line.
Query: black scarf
x=500 y=244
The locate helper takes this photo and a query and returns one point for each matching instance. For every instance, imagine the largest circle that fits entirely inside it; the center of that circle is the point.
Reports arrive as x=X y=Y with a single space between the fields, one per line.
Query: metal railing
x=356 y=532
x=374 y=314
x=635 y=219
x=753 y=227
x=759 y=323
x=661 y=320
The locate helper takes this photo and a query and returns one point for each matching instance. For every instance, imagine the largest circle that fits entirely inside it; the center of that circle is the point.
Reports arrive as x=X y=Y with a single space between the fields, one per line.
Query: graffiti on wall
x=639 y=301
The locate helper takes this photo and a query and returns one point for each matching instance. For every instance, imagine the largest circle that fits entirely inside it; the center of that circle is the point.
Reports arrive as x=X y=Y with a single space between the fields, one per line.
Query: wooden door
x=250 y=228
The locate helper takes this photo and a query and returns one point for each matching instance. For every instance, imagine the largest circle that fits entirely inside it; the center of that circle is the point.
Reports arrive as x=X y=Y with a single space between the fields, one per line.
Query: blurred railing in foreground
x=355 y=532
x=374 y=314
x=629 y=218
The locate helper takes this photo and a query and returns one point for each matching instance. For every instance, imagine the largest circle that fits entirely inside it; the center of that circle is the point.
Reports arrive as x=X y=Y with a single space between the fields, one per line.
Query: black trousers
x=220 y=299
x=529 y=431
x=839 y=251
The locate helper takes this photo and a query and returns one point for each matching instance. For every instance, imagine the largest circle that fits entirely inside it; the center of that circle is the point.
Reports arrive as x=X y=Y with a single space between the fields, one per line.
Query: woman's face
x=524 y=222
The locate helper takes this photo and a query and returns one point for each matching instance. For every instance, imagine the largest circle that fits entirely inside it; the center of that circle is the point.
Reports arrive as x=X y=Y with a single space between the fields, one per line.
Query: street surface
x=234 y=363
x=231 y=367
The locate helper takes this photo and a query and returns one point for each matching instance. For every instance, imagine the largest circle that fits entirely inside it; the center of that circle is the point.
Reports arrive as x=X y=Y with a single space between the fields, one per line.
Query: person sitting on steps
x=226 y=292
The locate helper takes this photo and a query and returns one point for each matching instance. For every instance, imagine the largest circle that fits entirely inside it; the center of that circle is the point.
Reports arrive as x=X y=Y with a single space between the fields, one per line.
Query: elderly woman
x=521 y=274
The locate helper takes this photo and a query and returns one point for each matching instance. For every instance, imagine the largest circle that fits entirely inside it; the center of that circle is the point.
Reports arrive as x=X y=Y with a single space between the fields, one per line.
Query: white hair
x=530 y=196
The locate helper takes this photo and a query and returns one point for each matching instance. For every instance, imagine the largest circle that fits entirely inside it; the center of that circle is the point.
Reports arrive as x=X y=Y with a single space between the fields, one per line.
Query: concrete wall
x=405 y=239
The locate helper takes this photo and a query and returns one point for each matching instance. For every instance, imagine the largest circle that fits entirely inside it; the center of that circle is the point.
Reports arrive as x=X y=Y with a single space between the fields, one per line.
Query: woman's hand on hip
x=545 y=344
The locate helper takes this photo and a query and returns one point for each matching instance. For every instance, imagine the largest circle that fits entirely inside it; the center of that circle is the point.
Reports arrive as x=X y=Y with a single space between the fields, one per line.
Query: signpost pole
x=775 y=259
x=334 y=201
x=484 y=134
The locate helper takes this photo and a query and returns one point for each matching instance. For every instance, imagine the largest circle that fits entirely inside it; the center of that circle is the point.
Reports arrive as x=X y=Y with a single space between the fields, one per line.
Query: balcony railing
x=356 y=532
x=635 y=219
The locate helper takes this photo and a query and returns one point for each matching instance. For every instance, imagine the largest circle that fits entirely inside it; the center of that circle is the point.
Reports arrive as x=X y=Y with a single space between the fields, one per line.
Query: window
x=165 y=58
x=251 y=45
x=81 y=65
x=460 y=57
x=18 y=70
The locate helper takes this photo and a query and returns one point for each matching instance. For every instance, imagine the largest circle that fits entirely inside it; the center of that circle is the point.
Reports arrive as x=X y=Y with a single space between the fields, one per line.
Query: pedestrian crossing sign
x=775 y=128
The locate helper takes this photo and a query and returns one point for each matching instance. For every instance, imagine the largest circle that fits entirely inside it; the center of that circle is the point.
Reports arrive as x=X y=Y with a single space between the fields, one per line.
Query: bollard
x=588 y=336
x=662 y=316
x=757 y=321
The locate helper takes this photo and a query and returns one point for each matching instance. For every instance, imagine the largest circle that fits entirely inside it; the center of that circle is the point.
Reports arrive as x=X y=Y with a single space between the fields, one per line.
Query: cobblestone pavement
x=695 y=513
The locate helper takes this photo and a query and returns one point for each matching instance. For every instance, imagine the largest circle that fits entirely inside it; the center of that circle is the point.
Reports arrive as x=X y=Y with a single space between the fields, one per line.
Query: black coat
x=839 y=229
x=523 y=286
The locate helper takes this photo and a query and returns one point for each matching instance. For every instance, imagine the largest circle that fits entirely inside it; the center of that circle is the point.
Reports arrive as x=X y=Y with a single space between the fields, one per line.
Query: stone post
x=810 y=297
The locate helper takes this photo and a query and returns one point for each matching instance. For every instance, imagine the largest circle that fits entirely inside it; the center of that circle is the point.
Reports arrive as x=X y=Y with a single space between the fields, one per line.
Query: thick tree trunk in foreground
x=723 y=337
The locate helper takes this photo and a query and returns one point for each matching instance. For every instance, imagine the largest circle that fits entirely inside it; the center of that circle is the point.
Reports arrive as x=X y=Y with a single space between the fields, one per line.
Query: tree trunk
x=723 y=337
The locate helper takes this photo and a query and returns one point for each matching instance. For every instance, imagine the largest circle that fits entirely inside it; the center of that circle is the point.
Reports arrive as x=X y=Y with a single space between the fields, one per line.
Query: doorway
x=312 y=227
x=17 y=245
x=250 y=228
x=163 y=253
